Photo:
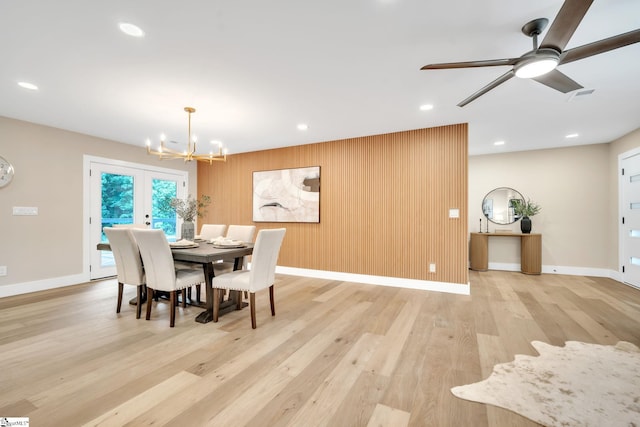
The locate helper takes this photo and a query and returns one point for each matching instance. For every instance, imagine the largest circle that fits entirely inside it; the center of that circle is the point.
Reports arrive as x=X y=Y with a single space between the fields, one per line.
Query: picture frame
x=287 y=195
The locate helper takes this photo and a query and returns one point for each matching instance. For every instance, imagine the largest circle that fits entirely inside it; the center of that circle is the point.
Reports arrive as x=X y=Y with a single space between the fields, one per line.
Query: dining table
x=206 y=254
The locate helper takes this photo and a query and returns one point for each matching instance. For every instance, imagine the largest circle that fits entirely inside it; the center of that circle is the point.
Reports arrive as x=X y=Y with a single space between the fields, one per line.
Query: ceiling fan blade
x=565 y=24
x=558 y=81
x=601 y=46
x=471 y=64
x=503 y=78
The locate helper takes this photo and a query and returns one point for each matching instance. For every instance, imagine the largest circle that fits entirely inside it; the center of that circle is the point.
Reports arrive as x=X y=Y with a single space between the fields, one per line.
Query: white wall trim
x=452 y=288
x=503 y=266
x=41 y=285
x=561 y=269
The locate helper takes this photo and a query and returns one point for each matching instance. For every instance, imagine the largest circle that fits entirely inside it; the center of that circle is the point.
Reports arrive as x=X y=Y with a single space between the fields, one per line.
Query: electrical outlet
x=3 y=270
x=432 y=268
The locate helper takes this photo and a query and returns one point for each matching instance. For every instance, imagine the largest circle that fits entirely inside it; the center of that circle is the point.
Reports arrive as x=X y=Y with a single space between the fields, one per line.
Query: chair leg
x=149 y=300
x=238 y=300
x=139 y=301
x=173 y=301
x=197 y=294
x=216 y=304
x=184 y=297
x=271 y=300
x=120 y=291
x=252 y=306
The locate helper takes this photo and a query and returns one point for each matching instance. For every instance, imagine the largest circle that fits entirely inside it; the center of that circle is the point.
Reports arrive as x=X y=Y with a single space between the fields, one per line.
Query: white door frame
x=87 y=162
x=621 y=208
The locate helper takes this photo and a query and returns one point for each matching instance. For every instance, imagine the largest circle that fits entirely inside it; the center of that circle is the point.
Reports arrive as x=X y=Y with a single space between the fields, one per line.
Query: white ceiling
x=255 y=69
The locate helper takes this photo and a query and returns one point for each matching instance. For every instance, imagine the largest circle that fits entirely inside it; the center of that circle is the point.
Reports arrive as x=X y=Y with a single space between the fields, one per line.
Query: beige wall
x=49 y=176
x=577 y=189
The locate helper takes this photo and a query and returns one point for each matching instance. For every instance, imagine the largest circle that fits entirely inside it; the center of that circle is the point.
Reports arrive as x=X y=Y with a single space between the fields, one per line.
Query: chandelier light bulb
x=189 y=154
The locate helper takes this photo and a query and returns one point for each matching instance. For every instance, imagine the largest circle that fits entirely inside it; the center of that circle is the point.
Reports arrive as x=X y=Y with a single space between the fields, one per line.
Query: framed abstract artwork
x=287 y=195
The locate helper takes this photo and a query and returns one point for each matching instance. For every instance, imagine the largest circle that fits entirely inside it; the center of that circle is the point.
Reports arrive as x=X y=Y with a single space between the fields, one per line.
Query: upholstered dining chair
x=128 y=264
x=211 y=231
x=243 y=233
x=260 y=276
x=161 y=272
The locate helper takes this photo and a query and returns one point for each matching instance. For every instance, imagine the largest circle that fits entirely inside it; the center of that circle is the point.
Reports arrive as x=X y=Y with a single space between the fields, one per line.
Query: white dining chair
x=260 y=276
x=161 y=272
x=130 y=226
x=212 y=231
x=243 y=233
x=128 y=264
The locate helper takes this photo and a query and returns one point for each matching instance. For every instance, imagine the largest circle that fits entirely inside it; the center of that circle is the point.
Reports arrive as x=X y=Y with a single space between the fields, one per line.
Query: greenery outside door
x=129 y=195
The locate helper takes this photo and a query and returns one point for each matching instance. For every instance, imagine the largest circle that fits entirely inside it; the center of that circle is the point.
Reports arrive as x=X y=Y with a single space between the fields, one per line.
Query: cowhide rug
x=579 y=384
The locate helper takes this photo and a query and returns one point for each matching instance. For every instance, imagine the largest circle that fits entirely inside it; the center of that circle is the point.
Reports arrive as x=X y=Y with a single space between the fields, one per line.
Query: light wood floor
x=335 y=354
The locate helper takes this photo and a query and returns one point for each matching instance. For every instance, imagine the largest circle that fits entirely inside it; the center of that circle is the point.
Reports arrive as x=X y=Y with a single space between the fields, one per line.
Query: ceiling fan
x=540 y=63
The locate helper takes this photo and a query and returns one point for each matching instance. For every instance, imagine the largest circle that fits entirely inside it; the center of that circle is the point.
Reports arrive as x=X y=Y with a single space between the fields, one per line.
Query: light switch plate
x=454 y=213
x=25 y=210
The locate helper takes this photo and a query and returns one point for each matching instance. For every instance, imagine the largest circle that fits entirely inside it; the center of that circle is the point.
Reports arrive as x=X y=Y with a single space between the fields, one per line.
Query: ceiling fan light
x=540 y=62
x=535 y=69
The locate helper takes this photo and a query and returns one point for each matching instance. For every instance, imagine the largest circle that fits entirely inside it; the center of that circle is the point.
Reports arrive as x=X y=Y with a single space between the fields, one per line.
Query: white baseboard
x=452 y=288
x=41 y=285
x=559 y=269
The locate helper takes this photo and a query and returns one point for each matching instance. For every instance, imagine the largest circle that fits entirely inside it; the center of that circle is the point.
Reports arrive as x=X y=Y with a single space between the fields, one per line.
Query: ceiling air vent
x=581 y=94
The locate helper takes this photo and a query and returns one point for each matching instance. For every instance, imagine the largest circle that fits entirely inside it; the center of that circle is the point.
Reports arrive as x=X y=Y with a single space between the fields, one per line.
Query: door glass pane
x=163 y=216
x=117 y=206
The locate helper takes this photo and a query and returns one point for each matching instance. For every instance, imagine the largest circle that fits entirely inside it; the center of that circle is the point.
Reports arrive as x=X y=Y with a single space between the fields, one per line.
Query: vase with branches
x=188 y=209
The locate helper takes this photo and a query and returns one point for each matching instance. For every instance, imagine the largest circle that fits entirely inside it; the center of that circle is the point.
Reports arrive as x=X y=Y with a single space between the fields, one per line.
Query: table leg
x=134 y=300
x=207 y=315
x=225 y=306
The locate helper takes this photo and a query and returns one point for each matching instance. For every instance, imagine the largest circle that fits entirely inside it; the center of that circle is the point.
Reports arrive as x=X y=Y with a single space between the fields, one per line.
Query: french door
x=123 y=193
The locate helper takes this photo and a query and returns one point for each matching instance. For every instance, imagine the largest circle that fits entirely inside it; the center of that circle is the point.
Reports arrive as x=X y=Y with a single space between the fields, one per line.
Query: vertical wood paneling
x=384 y=203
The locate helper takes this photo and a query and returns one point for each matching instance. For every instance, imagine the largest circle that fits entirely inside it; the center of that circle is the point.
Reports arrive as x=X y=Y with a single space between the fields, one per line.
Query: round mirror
x=498 y=205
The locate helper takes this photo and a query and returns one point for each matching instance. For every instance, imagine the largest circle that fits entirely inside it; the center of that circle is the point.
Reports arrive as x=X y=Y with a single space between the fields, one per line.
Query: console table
x=530 y=251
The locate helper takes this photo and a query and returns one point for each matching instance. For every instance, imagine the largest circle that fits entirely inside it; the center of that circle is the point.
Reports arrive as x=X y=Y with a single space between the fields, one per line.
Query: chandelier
x=190 y=153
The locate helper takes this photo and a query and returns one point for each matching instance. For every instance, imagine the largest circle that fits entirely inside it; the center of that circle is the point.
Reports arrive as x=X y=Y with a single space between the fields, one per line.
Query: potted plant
x=188 y=209
x=525 y=210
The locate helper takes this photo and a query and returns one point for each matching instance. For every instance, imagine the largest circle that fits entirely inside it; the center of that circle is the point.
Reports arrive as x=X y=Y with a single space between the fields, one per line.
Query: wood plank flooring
x=335 y=354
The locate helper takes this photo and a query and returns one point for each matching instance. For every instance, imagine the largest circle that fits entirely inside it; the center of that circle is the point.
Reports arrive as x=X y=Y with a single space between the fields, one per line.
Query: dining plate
x=229 y=246
x=182 y=246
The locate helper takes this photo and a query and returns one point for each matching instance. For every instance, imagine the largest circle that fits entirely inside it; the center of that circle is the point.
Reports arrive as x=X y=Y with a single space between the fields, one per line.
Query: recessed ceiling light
x=426 y=107
x=28 y=85
x=131 y=30
x=303 y=126
x=498 y=143
x=572 y=135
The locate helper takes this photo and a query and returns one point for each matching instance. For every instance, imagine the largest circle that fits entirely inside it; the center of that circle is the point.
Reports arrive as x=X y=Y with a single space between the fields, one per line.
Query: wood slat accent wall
x=384 y=203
